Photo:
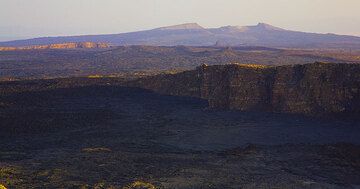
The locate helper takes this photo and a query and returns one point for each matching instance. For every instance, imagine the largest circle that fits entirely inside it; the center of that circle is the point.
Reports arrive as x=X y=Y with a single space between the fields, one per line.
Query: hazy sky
x=34 y=18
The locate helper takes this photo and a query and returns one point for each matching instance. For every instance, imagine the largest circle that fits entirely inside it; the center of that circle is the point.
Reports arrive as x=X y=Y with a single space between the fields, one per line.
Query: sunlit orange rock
x=83 y=45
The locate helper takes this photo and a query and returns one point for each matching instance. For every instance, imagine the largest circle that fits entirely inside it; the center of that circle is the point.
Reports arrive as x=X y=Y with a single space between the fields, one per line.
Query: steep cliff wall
x=180 y=84
x=83 y=45
x=237 y=86
x=317 y=87
x=311 y=88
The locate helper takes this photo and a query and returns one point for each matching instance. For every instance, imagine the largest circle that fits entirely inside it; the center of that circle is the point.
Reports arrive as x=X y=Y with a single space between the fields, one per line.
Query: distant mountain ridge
x=187 y=26
x=192 y=34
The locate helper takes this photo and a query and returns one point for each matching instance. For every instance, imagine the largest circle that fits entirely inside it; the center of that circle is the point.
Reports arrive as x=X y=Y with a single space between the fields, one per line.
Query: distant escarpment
x=318 y=88
x=84 y=45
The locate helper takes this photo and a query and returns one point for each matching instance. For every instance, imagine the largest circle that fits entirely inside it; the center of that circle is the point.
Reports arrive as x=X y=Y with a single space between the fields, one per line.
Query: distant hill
x=72 y=45
x=192 y=34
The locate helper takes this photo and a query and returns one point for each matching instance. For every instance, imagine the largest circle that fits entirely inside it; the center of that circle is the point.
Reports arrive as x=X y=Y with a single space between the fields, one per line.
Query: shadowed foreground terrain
x=93 y=133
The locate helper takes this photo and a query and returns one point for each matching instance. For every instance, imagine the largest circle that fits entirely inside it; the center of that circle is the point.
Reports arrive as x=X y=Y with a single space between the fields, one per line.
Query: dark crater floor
x=111 y=136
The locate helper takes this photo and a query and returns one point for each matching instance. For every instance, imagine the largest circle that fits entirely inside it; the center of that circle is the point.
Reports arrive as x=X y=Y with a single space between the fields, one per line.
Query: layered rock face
x=319 y=88
x=85 y=45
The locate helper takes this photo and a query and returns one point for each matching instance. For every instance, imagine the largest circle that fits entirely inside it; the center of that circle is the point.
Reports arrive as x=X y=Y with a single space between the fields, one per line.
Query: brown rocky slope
x=317 y=88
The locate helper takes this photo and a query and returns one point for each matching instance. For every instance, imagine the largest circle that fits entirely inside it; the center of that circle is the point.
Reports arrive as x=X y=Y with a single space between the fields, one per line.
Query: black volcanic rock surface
x=93 y=133
x=192 y=34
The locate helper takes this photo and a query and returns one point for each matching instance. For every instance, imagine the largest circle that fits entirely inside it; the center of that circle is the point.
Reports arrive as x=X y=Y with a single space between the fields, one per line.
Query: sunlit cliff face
x=252 y=66
x=85 y=45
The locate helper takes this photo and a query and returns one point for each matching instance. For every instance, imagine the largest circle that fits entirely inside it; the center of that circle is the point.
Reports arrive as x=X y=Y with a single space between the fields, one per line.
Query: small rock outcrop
x=318 y=88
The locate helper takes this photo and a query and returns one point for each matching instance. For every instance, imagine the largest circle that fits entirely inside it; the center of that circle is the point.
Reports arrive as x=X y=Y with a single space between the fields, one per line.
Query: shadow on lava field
x=112 y=136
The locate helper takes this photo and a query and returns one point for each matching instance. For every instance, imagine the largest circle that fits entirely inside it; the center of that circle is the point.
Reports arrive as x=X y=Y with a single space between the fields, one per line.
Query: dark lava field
x=103 y=135
x=122 y=60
